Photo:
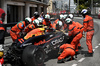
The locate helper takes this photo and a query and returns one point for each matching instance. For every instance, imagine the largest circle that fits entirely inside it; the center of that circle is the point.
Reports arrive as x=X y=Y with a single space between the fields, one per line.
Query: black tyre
x=33 y=56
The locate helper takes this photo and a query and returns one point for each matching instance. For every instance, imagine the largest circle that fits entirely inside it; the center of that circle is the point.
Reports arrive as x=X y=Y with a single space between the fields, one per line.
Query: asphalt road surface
x=81 y=59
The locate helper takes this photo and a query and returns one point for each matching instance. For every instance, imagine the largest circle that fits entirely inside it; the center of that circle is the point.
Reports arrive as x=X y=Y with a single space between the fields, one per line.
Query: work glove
x=83 y=35
x=66 y=34
x=60 y=51
x=45 y=27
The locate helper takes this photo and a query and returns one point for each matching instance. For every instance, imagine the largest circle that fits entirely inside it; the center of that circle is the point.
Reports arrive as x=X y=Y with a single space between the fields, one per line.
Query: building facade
x=51 y=8
x=17 y=10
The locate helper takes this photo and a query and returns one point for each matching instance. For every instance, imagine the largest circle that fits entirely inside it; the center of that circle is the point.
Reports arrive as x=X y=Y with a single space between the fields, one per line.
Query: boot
x=61 y=61
x=89 y=54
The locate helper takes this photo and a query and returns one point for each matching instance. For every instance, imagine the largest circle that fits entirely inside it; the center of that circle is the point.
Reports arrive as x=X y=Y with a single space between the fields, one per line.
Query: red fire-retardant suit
x=29 y=28
x=73 y=31
x=47 y=23
x=15 y=30
x=89 y=28
x=74 y=23
x=54 y=24
x=64 y=25
x=33 y=18
x=80 y=26
x=68 y=50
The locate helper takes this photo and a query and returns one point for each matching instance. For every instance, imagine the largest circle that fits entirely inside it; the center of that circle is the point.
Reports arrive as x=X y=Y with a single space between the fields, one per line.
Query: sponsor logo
x=54 y=42
x=40 y=42
x=51 y=35
x=27 y=44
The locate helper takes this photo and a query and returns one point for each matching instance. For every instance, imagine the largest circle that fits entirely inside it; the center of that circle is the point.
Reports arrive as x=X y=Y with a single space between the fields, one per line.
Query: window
x=12 y=13
x=0 y=3
x=38 y=0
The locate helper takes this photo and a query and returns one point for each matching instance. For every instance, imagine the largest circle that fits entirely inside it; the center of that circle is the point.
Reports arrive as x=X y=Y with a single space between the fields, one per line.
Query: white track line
x=81 y=59
x=96 y=47
x=74 y=65
x=99 y=44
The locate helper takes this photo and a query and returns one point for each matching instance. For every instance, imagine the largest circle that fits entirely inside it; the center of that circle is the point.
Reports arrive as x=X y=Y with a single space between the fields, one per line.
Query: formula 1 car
x=33 y=50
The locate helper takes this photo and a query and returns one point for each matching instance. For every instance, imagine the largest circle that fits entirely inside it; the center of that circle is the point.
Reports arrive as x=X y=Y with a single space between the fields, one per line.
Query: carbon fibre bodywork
x=50 y=41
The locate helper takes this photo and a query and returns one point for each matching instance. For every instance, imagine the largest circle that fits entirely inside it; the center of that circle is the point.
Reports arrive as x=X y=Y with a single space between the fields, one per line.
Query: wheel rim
x=39 y=57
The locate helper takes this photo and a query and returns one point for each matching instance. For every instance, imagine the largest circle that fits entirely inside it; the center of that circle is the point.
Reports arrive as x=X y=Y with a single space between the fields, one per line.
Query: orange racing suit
x=89 y=28
x=33 y=18
x=29 y=28
x=68 y=50
x=81 y=30
x=54 y=24
x=15 y=30
x=47 y=24
x=73 y=31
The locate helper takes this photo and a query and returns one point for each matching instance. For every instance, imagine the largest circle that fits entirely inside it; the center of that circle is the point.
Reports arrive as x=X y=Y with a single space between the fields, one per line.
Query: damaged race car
x=31 y=49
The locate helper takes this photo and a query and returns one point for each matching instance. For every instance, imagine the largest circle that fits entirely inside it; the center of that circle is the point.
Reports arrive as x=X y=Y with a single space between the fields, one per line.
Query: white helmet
x=65 y=15
x=36 y=22
x=68 y=20
x=84 y=11
x=28 y=19
x=47 y=16
x=61 y=16
x=40 y=20
x=60 y=23
x=71 y=16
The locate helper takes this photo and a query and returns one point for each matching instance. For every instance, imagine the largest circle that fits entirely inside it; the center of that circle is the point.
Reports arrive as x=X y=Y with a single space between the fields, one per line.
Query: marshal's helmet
x=84 y=12
x=70 y=16
x=40 y=21
x=68 y=21
x=36 y=22
x=47 y=17
x=59 y=25
x=28 y=20
x=65 y=16
x=36 y=15
x=61 y=17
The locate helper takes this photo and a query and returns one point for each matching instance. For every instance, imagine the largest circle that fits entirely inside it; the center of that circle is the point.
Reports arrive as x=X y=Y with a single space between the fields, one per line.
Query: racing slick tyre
x=33 y=56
